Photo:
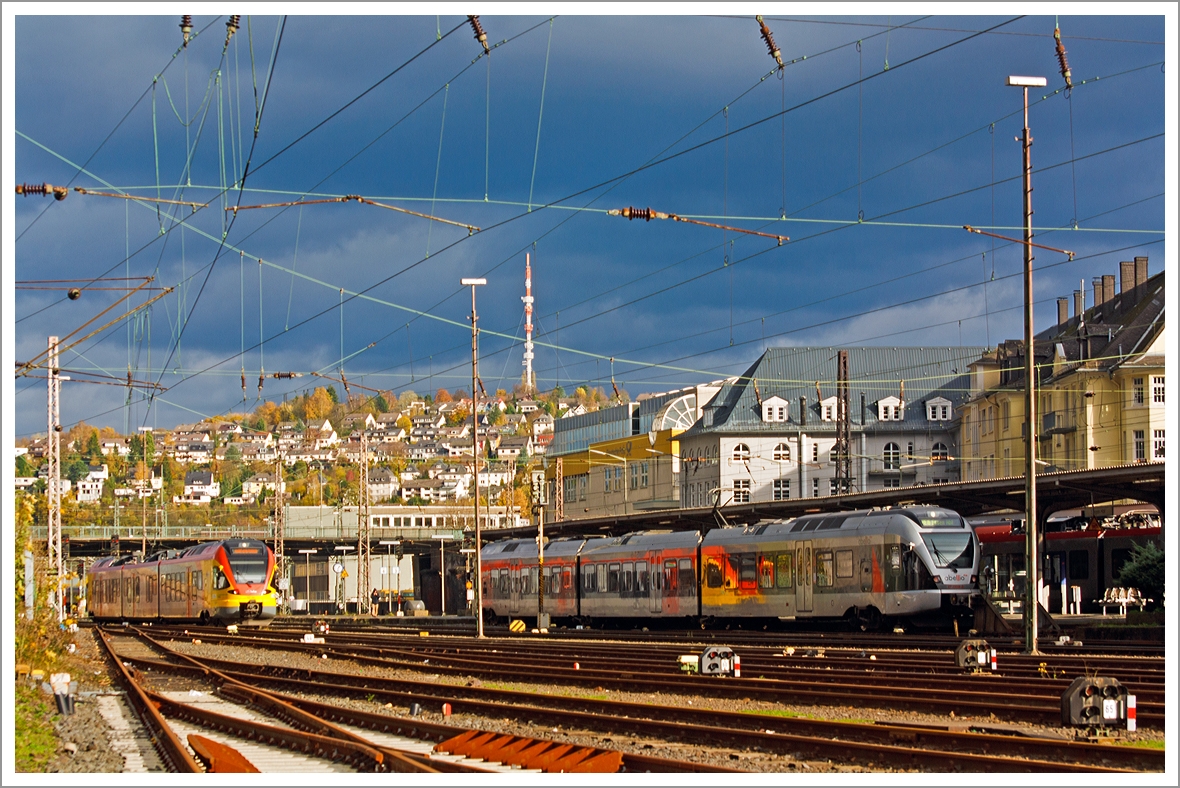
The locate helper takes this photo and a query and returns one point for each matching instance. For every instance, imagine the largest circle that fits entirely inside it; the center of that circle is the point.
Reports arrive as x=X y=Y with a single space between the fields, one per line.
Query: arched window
x=741 y=452
x=939 y=452
x=782 y=452
x=892 y=457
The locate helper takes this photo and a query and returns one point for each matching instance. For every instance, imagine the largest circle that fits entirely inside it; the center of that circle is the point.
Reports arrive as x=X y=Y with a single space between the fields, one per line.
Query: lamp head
x=1027 y=82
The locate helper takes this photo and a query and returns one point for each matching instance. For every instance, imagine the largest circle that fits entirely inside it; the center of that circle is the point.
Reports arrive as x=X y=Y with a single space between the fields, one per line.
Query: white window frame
x=1157 y=389
x=782 y=489
x=1157 y=445
x=741 y=490
x=782 y=452
x=741 y=453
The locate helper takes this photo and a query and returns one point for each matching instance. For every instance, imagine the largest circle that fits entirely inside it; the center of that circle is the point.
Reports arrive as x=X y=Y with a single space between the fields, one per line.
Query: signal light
x=1092 y=702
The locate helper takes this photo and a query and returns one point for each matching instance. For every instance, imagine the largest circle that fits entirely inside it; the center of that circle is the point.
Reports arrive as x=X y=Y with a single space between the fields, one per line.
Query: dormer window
x=938 y=409
x=775 y=409
x=890 y=409
x=827 y=409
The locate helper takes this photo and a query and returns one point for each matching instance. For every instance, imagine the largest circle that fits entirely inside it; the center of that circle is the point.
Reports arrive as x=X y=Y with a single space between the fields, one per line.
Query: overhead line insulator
x=480 y=35
x=58 y=192
x=1062 y=60
x=771 y=47
x=232 y=26
x=186 y=27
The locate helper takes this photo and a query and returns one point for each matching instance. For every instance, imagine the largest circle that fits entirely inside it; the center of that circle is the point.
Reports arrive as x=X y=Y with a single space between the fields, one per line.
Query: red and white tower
x=530 y=381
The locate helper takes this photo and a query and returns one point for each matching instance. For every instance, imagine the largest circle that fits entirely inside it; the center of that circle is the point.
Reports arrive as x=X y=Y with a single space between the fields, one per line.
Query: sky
x=879 y=139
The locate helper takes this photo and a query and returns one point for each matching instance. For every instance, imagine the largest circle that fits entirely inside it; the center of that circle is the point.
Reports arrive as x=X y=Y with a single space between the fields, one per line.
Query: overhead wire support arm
x=647 y=214
x=971 y=229
x=470 y=228
x=194 y=205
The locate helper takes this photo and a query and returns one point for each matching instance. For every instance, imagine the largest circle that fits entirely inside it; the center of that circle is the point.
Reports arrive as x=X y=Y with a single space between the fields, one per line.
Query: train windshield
x=248 y=563
x=951 y=551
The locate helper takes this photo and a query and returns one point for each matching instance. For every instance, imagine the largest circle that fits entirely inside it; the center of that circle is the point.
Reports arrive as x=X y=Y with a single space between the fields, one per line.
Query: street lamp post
x=1030 y=388
x=442 y=571
x=475 y=455
x=307 y=575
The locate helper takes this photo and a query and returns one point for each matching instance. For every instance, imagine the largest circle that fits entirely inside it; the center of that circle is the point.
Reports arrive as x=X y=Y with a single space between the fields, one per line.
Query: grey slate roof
x=877 y=372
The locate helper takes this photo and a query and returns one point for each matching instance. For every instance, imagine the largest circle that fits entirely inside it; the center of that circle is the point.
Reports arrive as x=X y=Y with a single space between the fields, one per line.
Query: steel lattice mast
x=281 y=563
x=363 y=562
x=843 y=446
x=53 y=450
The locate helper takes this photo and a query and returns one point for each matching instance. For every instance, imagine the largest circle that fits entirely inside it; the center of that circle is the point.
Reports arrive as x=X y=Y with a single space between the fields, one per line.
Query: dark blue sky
x=912 y=149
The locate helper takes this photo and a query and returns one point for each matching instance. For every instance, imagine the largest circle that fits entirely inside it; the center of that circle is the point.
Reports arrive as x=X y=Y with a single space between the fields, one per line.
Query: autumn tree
x=457 y=416
x=441 y=396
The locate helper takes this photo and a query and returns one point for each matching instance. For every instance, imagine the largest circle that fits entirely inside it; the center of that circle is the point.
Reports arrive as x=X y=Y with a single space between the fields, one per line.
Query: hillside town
x=917 y=416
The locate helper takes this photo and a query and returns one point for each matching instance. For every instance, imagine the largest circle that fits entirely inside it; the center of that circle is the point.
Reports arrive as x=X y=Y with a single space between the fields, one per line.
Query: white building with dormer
x=769 y=433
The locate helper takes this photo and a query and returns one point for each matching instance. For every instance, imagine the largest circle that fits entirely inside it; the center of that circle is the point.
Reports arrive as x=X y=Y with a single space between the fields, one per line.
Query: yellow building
x=1100 y=398
x=618 y=476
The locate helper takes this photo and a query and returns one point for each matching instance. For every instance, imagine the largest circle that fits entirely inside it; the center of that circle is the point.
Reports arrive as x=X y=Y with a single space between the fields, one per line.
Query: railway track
x=896 y=745
x=1027 y=691
x=817 y=636
x=225 y=719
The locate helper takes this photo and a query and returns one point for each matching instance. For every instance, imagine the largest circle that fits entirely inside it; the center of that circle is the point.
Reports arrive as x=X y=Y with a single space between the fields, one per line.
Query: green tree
x=1145 y=571
x=381 y=403
x=74 y=468
x=24 y=467
x=333 y=395
x=94 y=448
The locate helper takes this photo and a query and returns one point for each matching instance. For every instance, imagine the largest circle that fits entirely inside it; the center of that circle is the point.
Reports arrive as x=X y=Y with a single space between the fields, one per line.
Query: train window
x=712 y=573
x=823 y=567
x=765 y=572
x=601 y=577
x=612 y=579
x=628 y=578
x=1079 y=565
x=533 y=582
x=843 y=563
x=641 y=578
x=503 y=582
x=220 y=581
x=670 y=577
x=688 y=578
x=895 y=557
x=749 y=573
x=588 y=585
x=785 y=561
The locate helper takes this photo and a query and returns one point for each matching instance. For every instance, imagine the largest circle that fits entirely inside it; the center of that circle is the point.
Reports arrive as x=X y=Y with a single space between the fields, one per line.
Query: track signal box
x=1093 y=702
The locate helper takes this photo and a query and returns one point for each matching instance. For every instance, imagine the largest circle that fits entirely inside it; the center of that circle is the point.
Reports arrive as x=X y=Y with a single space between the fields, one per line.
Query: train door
x=804 y=577
x=671 y=604
x=655 y=584
x=514 y=586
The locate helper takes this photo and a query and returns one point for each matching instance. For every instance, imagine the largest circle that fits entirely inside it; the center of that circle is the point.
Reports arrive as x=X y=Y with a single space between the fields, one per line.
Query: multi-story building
x=768 y=434
x=1100 y=385
x=621 y=459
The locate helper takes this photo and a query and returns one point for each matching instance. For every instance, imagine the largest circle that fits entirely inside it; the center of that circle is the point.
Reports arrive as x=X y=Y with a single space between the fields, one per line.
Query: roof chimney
x=1140 y=270
x=1098 y=299
x=803 y=410
x=1079 y=302
x=1126 y=275
x=1062 y=311
x=1107 y=287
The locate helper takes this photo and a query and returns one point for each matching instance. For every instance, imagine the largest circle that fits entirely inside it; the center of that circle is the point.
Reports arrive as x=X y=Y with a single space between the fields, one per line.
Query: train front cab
x=240 y=582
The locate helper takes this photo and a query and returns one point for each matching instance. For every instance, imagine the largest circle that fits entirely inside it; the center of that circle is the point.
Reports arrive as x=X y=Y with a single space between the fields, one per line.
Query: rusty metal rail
x=171 y=749
x=859 y=743
x=1037 y=703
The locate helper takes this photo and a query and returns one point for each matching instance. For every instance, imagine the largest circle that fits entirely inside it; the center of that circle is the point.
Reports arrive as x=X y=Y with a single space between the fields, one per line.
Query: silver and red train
x=227 y=581
x=919 y=564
